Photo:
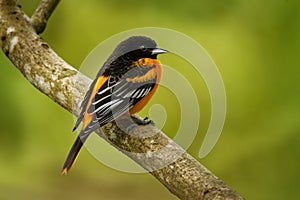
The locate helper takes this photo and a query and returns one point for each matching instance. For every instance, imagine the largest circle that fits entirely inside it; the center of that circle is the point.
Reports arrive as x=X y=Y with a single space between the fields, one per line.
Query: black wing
x=114 y=98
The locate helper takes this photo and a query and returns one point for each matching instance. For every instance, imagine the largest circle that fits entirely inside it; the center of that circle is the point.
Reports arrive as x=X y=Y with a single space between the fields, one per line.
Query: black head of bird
x=135 y=48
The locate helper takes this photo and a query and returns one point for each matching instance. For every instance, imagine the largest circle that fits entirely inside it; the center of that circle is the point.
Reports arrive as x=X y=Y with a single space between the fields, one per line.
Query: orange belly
x=158 y=70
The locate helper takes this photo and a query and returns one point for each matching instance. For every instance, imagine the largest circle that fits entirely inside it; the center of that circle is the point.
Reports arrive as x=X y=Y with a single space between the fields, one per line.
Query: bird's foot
x=144 y=121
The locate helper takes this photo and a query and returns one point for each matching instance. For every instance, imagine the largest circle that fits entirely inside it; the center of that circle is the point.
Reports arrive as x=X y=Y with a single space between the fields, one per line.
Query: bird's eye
x=143 y=48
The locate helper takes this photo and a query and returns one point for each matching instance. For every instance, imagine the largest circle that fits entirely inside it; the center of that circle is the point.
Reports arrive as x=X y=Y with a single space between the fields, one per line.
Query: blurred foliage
x=256 y=45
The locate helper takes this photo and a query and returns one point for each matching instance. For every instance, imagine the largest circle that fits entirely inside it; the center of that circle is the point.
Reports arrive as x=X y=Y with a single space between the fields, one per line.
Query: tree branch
x=42 y=13
x=184 y=176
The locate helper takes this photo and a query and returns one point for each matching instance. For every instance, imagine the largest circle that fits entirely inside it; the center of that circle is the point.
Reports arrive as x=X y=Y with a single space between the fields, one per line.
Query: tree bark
x=42 y=13
x=183 y=175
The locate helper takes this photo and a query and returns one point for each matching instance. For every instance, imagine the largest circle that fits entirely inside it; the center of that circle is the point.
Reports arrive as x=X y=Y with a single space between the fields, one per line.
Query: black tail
x=73 y=154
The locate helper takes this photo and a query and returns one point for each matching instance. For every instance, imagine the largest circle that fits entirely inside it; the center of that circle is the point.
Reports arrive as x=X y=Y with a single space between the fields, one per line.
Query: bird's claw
x=144 y=121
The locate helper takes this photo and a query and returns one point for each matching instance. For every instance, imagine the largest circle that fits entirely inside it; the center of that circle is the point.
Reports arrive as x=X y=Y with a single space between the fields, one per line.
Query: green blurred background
x=255 y=44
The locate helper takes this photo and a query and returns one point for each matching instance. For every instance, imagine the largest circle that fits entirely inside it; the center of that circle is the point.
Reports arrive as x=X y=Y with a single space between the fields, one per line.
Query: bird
x=124 y=84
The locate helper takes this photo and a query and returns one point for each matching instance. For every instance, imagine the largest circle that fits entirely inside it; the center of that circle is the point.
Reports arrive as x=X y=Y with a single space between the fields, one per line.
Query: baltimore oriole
x=124 y=84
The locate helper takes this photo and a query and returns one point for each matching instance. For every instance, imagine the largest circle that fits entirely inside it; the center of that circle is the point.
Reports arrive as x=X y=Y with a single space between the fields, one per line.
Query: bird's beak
x=157 y=51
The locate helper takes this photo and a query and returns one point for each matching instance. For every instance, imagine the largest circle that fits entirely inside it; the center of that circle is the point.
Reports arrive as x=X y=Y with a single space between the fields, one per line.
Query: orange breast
x=156 y=72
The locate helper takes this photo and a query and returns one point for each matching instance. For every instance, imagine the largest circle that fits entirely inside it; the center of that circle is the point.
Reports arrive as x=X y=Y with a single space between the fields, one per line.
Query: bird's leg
x=127 y=123
x=144 y=121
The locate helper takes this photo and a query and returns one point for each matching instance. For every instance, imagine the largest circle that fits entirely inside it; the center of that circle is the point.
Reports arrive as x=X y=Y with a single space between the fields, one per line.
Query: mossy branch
x=184 y=176
x=42 y=13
